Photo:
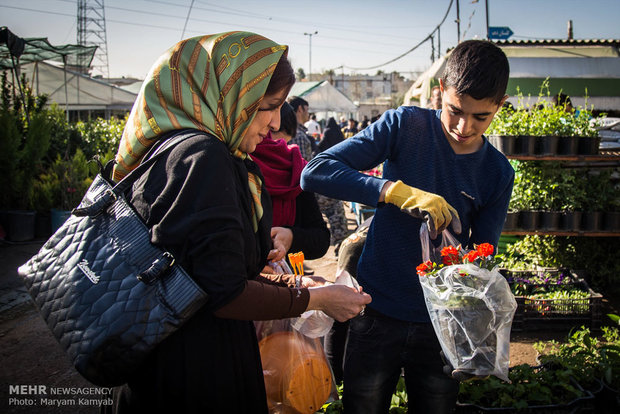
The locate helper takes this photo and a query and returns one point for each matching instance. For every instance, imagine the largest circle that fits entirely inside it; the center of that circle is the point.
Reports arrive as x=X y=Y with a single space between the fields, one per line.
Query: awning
x=38 y=49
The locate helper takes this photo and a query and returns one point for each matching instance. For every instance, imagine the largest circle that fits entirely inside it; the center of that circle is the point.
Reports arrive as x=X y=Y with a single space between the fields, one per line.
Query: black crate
x=535 y=314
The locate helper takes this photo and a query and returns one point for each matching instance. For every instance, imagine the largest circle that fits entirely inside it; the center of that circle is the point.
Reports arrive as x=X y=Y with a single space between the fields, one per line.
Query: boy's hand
x=427 y=206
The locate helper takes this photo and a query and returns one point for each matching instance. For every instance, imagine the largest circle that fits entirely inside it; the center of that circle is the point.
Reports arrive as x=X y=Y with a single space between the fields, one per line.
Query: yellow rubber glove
x=424 y=205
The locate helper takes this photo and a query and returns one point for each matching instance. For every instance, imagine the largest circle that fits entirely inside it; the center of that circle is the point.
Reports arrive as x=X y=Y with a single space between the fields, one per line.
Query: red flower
x=485 y=249
x=450 y=255
x=424 y=267
x=472 y=255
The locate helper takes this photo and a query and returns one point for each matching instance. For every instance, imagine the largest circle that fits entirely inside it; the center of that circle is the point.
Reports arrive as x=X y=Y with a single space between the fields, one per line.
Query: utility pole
x=486 y=9
x=91 y=31
x=310 y=52
x=458 y=23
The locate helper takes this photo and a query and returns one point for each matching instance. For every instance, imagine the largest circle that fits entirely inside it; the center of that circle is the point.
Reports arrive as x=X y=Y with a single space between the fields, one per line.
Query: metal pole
x=458 y=23
x=310 y=52
x=486 y=9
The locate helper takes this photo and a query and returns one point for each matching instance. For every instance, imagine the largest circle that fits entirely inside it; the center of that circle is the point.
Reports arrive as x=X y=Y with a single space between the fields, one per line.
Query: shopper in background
x=298 y=224
x=313 y=128
x=301 y=139
x=435 y=100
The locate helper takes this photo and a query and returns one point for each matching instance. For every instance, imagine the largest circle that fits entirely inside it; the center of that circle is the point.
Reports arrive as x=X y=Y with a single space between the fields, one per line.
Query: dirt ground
x=29 y=355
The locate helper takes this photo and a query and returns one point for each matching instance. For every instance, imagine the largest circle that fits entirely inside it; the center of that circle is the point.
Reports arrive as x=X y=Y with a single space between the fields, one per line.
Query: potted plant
x=73 y=176
x=25 y=135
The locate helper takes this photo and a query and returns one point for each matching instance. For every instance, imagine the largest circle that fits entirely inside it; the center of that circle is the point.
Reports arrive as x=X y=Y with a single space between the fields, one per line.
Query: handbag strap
x=110 y=195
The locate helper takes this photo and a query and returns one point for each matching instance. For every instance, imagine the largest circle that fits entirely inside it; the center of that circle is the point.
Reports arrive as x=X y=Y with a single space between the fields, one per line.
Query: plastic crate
x=535 y=314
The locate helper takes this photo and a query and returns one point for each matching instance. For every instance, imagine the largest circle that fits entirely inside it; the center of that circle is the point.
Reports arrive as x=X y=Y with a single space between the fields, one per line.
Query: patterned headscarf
x=212 y=83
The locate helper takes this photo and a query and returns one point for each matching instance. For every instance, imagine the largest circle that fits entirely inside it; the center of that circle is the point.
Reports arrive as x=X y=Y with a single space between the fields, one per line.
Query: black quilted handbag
x=108 y=295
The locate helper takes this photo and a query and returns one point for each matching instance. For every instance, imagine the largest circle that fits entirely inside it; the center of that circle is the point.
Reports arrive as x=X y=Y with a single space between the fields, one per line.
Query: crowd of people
x=255 y=182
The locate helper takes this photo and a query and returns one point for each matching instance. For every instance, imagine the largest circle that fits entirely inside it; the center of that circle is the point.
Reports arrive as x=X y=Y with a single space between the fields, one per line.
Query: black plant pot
x=588 y=145
x=548 y=145
x=571 y=220
x=19 y=225
x=529 y=219
x=592 y=220
x=550 y=220
x=611 y=221
x=504 y=143
x=512 y=221
x=526 y=144
x=42 y=225
x=568 y=145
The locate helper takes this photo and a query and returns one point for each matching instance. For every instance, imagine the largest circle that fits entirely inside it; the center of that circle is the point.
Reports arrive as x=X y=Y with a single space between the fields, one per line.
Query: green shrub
x=543 y=118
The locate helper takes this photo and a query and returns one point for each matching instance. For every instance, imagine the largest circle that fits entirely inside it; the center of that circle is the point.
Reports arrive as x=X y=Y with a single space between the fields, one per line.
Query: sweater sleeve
x=262 y=301
x=310 y=232
x=336 y=171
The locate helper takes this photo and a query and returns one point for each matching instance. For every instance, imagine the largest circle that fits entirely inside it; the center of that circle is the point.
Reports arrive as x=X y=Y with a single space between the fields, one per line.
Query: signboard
x=500 y=33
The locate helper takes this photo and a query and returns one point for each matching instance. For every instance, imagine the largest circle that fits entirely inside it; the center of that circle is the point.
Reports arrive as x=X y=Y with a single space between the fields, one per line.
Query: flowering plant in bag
x=469 y=303
x=482 y=258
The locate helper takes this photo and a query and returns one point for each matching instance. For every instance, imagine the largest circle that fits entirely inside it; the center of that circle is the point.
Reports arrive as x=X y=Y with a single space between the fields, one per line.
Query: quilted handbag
x=108 y=295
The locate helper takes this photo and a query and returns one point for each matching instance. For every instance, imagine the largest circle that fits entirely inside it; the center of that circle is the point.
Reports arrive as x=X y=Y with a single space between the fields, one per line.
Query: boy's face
x=464 y=119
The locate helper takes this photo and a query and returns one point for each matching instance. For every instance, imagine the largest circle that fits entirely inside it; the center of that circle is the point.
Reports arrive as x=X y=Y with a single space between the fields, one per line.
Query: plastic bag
x=298 y=377
x=313 y=323
x=471 y=309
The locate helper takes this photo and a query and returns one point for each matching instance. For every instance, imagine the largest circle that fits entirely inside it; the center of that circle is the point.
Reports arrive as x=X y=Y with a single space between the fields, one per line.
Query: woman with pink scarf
x=298 y=224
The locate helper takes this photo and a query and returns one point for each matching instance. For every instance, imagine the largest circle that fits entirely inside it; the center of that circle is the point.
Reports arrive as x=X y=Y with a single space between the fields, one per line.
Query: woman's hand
x=282 y=239
x=338 y=301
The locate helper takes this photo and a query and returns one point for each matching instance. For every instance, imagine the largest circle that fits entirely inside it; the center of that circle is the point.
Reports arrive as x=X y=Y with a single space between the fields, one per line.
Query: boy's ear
x=441 y=86
x=501 y=103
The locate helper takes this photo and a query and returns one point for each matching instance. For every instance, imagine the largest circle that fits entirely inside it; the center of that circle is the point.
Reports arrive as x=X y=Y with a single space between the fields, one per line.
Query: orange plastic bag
x=298 y=378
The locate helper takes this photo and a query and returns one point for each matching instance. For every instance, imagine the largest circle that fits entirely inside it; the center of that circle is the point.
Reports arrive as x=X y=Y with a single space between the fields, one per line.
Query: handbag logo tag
x=83 y=266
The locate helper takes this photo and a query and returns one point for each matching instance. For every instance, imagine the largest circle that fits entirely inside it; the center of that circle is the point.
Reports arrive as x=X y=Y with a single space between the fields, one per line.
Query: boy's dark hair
x=288 y=120
x=477 y=68
x=296 y=102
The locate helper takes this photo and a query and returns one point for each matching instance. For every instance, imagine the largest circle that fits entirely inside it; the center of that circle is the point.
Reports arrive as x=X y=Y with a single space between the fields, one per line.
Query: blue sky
x=360 y=35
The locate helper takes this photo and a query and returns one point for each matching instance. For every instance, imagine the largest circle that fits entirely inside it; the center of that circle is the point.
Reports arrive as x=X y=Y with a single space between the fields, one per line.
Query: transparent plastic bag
x=298 y=377
x=313 y=323
x=471 y=309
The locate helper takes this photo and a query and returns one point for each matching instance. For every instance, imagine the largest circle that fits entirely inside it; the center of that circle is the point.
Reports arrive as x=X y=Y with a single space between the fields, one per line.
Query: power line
x=407 y=52
x=187 y=19
x=152 y=13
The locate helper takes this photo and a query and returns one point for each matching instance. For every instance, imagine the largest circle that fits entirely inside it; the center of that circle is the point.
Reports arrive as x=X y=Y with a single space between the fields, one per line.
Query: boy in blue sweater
x=438 y=168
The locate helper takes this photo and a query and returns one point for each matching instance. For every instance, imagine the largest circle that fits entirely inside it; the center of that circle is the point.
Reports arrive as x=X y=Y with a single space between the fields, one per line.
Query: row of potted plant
x=551 y=196
x=44 y=161
x=562 y=221
x=544 y=128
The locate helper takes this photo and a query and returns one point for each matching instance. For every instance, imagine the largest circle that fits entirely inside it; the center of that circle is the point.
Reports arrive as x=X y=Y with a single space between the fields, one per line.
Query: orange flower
x=424 y=267
x=450 y=255
x=472 y=255
x=485 y=249
x=449 y=251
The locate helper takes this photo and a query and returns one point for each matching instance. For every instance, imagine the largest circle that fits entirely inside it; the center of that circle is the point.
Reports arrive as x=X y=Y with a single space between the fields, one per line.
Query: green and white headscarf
x=213 y=83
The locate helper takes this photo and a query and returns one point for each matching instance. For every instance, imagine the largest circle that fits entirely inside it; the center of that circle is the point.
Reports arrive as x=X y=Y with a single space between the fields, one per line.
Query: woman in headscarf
x=205 y=202
x=298 y=224
x=332 y=135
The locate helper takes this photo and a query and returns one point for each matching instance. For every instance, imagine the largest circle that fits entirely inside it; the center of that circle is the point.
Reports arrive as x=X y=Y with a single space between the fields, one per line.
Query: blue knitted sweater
x=410 y=143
